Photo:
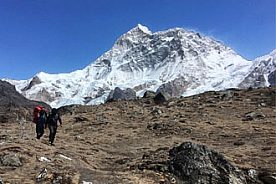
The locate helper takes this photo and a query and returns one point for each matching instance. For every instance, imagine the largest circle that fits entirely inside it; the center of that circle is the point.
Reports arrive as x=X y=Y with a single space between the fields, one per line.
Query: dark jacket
x=53 y=119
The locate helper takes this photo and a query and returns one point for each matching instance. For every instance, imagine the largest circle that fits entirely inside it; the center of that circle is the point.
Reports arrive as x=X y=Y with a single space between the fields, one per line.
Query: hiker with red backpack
x=40 y=117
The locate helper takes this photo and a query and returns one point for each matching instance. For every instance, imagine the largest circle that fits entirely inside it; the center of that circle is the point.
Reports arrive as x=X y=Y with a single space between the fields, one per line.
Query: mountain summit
x=142 y=60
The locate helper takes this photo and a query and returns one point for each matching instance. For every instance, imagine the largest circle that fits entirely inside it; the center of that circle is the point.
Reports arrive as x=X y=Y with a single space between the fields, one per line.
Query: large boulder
x=174 y=88
x=149 y=94
x=195 y=164
x=119 y=94
x=11 y=160
x=161 y=98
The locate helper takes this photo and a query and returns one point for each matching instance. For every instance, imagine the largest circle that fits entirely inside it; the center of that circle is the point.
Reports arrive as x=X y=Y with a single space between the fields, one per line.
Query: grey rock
x=174 y=88
x=252 y=173
x=106 y=62
x=44 y=95
x=58 y=180
x=227 y=95
x=87 y=99
x=149 y=94
x=61 y=178
x=119 y=94
x=80 y=119
x=195 y=164
x=143 y=86
x=156 y=111
x=11 y=160
x=253 y=115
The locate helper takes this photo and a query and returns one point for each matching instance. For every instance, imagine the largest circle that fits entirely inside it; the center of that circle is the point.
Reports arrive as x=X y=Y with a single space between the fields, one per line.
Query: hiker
x=52 y=123
x=37 y=109
x=40 y=123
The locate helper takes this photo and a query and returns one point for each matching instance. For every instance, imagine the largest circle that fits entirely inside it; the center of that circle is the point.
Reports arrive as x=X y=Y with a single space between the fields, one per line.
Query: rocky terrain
x=215 y=137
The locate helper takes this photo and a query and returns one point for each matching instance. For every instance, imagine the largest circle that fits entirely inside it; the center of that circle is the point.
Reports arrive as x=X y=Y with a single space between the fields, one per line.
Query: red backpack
x=37 y=109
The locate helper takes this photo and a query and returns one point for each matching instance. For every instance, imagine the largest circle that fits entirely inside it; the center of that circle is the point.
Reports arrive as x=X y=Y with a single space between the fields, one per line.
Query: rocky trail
x=132 y=141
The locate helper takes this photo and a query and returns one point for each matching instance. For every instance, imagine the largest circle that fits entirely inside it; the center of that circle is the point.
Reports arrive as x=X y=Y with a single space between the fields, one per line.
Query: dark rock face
x=272 y=78
x=174 y=88
x=33 y=82
x=267 y=178
x=195 y=164
x=256 y=78
x=9 y=96
x=161 y=98
x=12 y=101
x=119 y=94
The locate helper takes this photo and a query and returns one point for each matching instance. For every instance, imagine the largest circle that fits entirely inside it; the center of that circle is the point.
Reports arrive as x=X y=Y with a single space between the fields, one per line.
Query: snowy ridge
x=260 y=71
x=143 y=60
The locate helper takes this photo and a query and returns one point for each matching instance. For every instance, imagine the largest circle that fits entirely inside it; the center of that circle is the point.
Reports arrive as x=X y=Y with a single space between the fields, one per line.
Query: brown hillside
x=127 y=141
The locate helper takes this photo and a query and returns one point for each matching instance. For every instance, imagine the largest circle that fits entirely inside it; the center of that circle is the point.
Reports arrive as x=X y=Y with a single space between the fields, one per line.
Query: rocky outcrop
x=191 y=163
x=34 y=81
x=194 y=163
x=174 y=88
x=11 y=160
x=261 y=68
x=44 y=96
x=161 y=98
x=267 y=177
x=149 y=94
x=119 y=94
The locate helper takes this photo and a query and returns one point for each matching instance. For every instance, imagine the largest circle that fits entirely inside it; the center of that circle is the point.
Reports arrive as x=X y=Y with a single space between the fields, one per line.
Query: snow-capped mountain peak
x=144 y=29
x=143 y=60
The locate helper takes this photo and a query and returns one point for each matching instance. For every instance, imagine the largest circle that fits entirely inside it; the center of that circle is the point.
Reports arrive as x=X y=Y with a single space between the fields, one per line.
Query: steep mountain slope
x=13 y=105
x=143 y=60
x=262 y=73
